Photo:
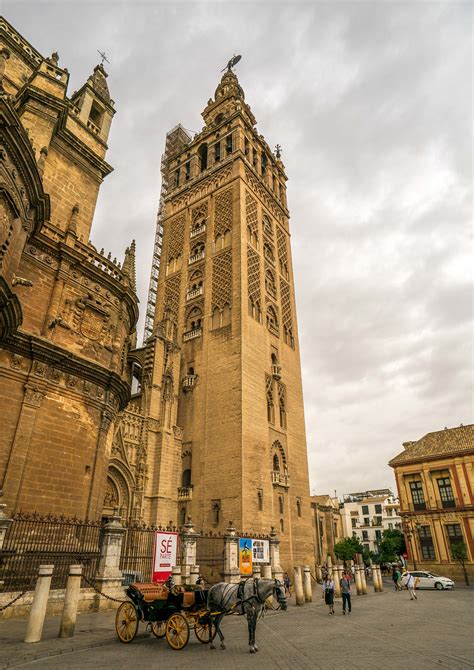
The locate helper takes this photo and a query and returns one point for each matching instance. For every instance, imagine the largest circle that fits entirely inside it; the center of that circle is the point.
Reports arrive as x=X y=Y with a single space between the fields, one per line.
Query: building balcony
x=189 y=382
x=280 y=479
x=194 y=293
x=197 y=231
x=276 y=372
x=185 y=493
x=192 y=334
x=196 y=257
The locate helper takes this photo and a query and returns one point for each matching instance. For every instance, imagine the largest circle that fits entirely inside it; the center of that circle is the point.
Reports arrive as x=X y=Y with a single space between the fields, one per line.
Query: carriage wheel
x=177 y=631
x=205 y=632
x=126 y=622
x=158 y=628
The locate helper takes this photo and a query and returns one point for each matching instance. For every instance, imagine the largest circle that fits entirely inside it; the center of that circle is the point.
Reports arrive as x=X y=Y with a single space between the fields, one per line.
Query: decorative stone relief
x=222 y=280
x=34 y=395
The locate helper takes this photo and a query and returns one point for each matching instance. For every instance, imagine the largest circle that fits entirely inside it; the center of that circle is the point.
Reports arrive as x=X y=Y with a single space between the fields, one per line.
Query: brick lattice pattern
x=222 y=280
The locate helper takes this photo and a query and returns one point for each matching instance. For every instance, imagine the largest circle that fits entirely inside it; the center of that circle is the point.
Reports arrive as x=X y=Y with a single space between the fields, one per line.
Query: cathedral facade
x=67 y=311
x=218 y=419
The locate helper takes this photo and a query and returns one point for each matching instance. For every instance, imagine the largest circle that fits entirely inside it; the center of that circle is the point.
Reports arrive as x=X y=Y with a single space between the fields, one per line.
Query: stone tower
x=226 y=318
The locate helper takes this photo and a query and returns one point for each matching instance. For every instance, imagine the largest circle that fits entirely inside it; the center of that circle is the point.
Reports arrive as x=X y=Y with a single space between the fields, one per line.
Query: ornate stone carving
x=178 y=432
x=222 y=280
x=15 y=362
x=34 y=395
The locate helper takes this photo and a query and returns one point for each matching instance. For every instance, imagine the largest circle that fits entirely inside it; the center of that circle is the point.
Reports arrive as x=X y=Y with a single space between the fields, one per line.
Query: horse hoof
x=222 y=646
x=212 y=646
x=256 y=648
x=252 y=650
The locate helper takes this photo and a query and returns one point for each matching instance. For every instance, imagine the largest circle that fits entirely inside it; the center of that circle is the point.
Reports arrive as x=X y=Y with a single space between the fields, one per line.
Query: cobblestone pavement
x=384 y=631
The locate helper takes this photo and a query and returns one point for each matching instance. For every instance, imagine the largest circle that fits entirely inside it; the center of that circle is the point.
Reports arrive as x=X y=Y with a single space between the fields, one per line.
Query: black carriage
x=168 y=612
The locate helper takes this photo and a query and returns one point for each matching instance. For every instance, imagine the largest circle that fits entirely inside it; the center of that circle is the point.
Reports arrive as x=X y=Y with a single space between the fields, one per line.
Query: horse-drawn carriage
x=169 y=611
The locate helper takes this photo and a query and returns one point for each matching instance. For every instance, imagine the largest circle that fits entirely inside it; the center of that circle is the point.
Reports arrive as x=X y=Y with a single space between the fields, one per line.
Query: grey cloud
x=372 y=105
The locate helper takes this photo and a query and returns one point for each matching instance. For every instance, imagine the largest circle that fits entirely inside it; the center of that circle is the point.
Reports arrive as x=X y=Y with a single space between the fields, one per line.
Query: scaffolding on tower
x=176 y=139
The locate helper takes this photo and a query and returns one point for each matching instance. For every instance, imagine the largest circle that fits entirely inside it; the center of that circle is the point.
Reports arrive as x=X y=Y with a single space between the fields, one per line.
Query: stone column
x=176 y=575
x=4 y=522
x=267 y=572
x=231 y=555
x=34 y=628
x=299 y=593
x=185 y=574
x=307 y=588
x=109 y=580
x=340 y=570
x=194 y=574
x=188 y=539
x=277 y=571
x=71 y=598
x=319 y=573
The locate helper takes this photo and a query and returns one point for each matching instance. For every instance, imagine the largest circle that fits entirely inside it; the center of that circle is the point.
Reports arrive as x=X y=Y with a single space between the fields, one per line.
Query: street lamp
x=410 y=531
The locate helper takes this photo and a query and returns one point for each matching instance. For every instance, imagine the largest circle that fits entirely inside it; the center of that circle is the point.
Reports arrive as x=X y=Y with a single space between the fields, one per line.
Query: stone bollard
x=337 y=584
x=379 y=576
x=299 y=593
x=277 y=572
x=375 y=578
x=362 y=576
x=319 y=574
x=185 y=574
x=176 y=574
x=71 y=598
x=257 y=571
x=34 y=628
x=358 y=581
x=340 y=572
x=307 y=588
x=194 y=576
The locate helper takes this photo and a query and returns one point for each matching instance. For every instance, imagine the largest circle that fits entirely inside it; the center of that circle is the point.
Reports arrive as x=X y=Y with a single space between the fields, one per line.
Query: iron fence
x=32 y=540
x=210 y=556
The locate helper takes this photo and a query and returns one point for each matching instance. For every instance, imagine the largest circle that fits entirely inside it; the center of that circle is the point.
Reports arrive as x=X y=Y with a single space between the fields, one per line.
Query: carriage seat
x=151 y=591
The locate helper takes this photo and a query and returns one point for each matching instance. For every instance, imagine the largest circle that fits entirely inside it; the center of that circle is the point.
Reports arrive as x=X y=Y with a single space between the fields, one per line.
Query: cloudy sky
x=372 y=104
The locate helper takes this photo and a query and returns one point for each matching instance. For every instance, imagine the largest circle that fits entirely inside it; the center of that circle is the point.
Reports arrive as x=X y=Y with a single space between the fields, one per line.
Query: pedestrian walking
x=410 y=583
x=396 y=578
x=328 y=593
x=346 y=592
x=287 y=584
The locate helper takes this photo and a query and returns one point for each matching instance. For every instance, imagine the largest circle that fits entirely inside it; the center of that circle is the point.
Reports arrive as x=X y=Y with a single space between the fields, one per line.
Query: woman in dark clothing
x=328 y=589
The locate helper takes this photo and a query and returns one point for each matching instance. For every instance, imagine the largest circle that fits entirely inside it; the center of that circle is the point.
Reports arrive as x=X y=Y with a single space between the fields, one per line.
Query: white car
x=430 y=580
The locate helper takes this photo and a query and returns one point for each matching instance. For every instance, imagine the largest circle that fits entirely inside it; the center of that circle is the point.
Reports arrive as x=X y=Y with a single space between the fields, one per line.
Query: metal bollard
x=71 y=598
x=299 y=593
x=307 y=588
x=34 y=628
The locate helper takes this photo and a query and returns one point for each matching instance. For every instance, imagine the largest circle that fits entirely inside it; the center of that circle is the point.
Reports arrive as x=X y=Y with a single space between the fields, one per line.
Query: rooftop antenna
x=103 y=57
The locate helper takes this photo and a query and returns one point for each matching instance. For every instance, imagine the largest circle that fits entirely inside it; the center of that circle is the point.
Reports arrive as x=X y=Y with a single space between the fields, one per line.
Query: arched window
x=298 y=506
x=186 y=478
x=270 y=283
x=272 y=320
x=282 y=530
x=182 y=516
x=215 y=512
x=280 y=504
x=260 y=500
x=268 y=252
x=276 y=463
x=194 y=319
x=267 y=226
x=202 y=153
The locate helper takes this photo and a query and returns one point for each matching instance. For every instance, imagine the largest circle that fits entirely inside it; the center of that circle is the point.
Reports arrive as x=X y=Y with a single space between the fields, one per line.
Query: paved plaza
x=384 y=631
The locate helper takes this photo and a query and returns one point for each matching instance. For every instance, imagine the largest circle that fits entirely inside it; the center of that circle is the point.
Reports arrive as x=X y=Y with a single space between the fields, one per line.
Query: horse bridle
x=277 y=588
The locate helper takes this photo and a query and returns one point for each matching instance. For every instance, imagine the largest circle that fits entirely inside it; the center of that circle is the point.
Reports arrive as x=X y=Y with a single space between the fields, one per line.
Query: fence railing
x=32 y=540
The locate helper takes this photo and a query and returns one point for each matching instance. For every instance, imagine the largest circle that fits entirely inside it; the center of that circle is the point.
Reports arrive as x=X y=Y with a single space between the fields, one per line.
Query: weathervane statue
x=233 y=61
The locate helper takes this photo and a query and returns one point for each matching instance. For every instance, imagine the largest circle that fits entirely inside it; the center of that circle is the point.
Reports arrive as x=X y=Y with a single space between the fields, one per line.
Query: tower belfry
x=226 y=376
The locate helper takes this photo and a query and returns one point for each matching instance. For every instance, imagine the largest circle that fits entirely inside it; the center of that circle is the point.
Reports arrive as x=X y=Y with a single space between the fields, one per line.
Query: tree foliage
x=391 y=546
x=459 y=552
x=347 y=548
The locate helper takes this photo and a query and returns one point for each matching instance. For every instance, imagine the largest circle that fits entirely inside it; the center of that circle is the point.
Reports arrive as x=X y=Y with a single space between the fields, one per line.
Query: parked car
x=430 y=580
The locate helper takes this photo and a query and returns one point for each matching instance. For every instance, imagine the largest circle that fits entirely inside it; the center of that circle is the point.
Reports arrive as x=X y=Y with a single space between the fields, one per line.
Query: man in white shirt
x=410 y=584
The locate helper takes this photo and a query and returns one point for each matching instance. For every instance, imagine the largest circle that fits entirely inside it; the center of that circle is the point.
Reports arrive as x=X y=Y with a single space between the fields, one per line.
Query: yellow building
x=435 y=480
x=327 y=524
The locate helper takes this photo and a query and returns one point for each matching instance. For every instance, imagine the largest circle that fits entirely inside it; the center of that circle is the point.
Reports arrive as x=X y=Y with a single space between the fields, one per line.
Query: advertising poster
x=164 y=556
x=260 y=551
x=245 y=556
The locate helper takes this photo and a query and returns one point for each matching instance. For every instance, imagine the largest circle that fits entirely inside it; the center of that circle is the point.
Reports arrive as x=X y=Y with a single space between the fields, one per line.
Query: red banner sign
x=164 y=556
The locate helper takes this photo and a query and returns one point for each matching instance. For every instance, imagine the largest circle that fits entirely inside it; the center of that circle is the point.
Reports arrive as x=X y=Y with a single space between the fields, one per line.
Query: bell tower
x=225 y=291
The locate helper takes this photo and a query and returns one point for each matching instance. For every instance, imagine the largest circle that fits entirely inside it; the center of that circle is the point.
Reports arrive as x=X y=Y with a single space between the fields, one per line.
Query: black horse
x=247 y=598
